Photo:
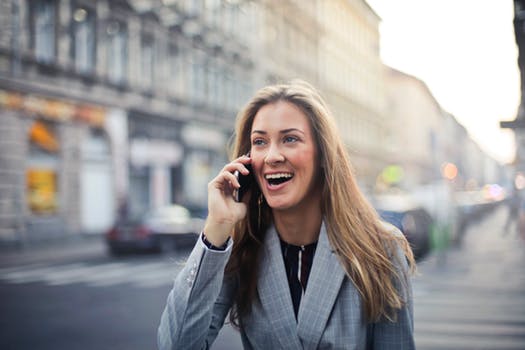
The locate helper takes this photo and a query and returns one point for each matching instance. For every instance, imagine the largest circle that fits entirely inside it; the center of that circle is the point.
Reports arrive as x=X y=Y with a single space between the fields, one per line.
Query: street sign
x=513 y=124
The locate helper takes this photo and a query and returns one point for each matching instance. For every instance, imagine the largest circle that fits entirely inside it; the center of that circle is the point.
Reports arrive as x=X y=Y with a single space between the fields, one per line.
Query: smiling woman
x=285 y=164
x=303 y=260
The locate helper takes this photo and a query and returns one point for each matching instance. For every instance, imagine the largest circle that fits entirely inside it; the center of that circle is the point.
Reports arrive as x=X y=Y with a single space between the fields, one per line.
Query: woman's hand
x=223 y=211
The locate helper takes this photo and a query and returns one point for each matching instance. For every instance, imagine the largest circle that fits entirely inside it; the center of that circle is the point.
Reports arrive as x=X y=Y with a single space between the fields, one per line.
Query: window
x=83 y=38
x=147 y=60
x=42 y=169
x=213 y=85
x=174 y=63
x=198 y=78
x=117 y=51
x=43 y=29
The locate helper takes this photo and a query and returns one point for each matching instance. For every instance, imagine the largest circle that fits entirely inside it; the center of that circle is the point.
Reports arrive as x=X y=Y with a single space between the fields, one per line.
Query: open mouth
x=278 y=178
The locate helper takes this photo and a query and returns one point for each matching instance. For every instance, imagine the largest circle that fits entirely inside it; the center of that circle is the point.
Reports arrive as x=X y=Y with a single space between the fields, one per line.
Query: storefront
x=156 y=157
x=65 y=161
x=171 y=162
x=43 y=168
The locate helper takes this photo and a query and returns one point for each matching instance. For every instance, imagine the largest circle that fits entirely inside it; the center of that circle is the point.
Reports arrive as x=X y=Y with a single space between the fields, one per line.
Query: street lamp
x=519 y=122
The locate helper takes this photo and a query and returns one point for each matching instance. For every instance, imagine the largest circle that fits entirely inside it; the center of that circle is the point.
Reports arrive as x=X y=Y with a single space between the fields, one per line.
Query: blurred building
x=416 y=128
x=290 y=32
x=114 y=106
x=111 y=107
x=335 y=46
x=351 y=77
x=425 y=138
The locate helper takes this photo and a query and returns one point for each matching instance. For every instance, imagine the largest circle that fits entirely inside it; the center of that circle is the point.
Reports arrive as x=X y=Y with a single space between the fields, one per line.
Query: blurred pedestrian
x=513 y=204
x=303 y=260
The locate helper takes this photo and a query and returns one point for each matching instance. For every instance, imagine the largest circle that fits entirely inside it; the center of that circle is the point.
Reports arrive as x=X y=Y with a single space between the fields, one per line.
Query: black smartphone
x=245 y=181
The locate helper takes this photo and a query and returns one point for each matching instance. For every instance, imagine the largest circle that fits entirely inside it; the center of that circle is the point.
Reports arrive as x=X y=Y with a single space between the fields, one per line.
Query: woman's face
x=284 y=156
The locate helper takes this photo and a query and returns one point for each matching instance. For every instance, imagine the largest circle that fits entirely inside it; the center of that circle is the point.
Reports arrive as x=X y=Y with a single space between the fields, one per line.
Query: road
x=474 y=296
x=75 y=296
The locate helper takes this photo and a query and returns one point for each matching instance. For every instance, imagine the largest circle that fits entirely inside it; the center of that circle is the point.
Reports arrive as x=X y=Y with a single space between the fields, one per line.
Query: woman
x=309 y=264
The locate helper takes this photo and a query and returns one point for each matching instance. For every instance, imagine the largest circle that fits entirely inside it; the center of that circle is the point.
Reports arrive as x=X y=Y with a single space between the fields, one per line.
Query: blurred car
x=161 y=229
x=413 y=220
x=415 y=225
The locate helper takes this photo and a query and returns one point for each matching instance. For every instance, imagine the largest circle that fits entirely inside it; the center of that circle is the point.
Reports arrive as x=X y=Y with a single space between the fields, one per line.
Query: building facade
x=111 y=106
x=424 y=138
x=117 y=106
x=351 y=77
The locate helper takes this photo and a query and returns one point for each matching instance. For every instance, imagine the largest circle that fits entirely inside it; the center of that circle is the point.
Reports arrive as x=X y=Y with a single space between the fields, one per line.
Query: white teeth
x=278 y=176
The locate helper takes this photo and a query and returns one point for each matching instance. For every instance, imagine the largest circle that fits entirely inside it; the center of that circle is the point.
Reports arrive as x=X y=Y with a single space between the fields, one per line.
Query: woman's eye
x=257 y=142
x=290 y=139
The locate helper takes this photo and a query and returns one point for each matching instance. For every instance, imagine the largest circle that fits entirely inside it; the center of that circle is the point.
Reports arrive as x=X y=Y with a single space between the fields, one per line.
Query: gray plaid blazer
x=330 y=314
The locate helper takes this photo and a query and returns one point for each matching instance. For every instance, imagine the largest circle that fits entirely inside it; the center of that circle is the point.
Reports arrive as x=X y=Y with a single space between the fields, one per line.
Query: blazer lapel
x=324 y=283
x=274 y=293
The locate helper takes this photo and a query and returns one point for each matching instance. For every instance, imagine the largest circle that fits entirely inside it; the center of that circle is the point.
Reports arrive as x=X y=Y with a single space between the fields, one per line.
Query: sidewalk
x=473 y=295
x=79 y=246
x=484 y=243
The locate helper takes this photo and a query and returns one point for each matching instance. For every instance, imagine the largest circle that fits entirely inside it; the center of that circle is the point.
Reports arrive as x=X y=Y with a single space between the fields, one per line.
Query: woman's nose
x=274 y=155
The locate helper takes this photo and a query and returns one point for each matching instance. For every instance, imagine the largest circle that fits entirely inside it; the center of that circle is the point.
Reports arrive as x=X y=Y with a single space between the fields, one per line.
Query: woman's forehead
x=280 y=116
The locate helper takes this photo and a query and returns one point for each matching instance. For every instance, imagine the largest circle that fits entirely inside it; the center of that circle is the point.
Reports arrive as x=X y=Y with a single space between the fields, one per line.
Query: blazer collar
x=324 y=284
x=316 y=305
x=274 y=292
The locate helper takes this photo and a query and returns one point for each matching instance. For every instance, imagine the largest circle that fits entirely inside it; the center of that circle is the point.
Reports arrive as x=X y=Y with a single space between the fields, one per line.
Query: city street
x=474 y=296
x=117 y=119
x=78 y=297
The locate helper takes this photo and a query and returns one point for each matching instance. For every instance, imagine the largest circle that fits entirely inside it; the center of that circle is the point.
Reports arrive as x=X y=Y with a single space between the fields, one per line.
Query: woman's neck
x=298 y=227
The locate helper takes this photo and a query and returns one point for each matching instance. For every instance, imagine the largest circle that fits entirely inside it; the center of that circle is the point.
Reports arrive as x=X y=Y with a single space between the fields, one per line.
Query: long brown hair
x=365 y=246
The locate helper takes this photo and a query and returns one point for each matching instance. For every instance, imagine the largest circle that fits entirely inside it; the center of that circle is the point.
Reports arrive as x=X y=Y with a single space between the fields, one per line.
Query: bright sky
x=465 y=51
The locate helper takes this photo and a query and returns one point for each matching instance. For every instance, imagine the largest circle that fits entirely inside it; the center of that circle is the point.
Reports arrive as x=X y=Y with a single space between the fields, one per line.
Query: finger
x=231 y=167
x=225 y=178
x=242 y=159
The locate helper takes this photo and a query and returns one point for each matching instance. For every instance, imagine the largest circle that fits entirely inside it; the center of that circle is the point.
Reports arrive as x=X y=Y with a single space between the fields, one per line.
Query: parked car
x=160 y=229
x=415 y=225
x=413 y=220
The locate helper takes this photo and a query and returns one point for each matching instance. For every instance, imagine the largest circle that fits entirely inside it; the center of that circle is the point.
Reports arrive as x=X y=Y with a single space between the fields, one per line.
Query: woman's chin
x=278 y=204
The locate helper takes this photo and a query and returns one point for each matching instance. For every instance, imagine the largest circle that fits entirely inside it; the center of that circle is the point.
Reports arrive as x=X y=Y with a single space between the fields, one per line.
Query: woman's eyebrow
x=285 y=131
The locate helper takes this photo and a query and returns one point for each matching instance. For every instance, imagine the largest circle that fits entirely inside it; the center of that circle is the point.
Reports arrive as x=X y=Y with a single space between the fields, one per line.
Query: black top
x=298 y=263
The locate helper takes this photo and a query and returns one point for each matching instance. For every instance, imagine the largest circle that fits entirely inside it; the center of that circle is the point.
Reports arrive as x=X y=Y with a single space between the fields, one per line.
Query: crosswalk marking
x=472 y=328
x=480 y=317
x=472 y=299
x=461 y=323
x=78 y=275
x=5 y=270
x=462 y=342
x=139 y=272
x=136 y=273
x=35 y=274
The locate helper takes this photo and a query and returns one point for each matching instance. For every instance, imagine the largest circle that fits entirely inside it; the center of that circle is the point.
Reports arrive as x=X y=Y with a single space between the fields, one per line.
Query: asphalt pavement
x=57 y=294
x=473 y=296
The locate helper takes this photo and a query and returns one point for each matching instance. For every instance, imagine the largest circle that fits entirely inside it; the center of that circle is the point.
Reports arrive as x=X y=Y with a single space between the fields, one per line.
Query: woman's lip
x=276 y=187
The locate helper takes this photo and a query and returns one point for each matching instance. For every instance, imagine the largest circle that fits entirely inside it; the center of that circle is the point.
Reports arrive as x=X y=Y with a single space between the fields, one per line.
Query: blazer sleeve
x=198 y=302
x=387 y=335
